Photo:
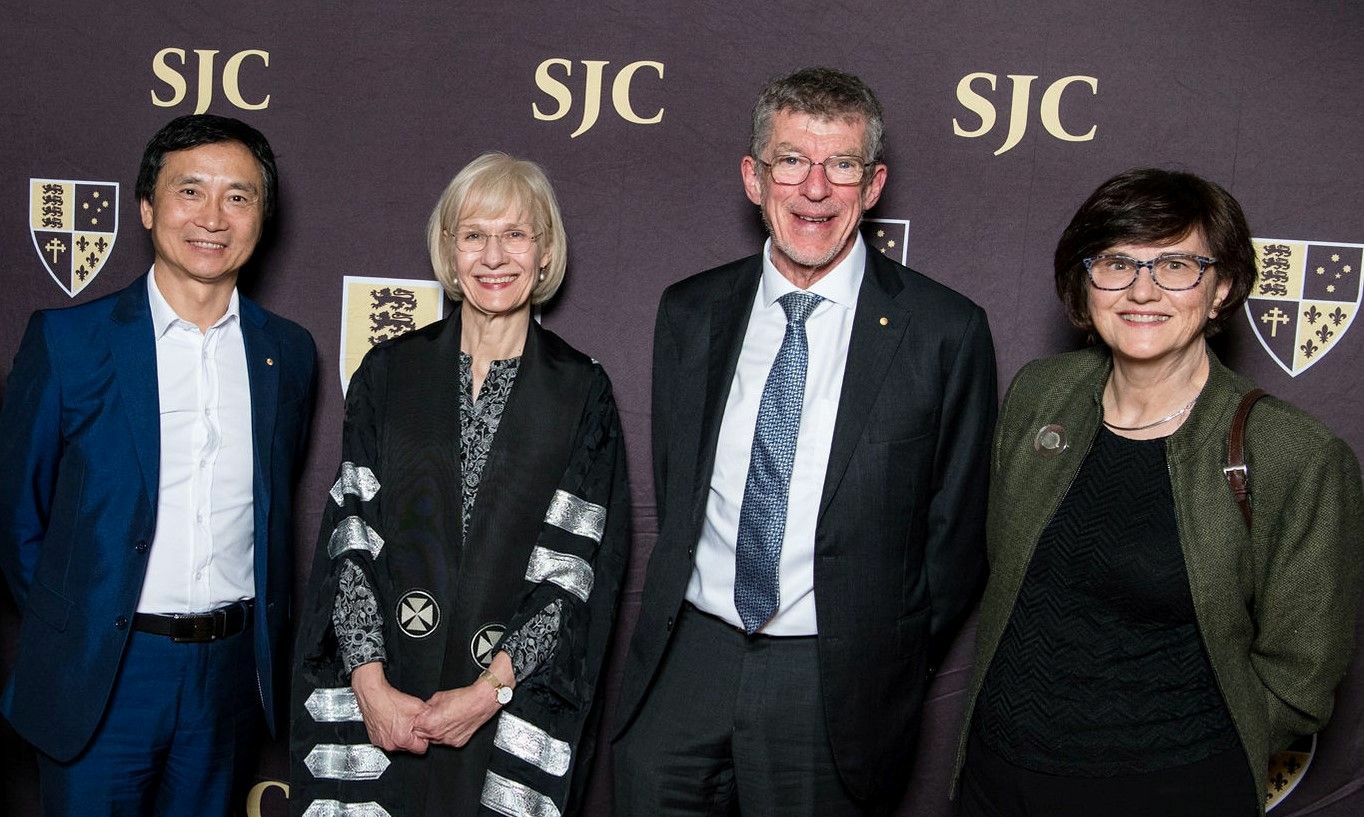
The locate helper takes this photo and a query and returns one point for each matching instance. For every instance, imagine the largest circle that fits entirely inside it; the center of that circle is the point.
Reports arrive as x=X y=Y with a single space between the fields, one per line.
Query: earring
x=542 y=275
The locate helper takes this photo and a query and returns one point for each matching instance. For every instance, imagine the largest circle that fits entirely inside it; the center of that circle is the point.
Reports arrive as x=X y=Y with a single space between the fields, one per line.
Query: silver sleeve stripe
x=353 y=534
x=564 y=569
x=334 y=705
x=513 y=799
x=526 y=741
x=335 y=761
x=354 y=479
x=577 y=516
x=335 y=808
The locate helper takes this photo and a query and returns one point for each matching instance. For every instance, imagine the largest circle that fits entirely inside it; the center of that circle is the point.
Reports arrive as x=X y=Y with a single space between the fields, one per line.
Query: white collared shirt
x=828 y=330
x=202 y=552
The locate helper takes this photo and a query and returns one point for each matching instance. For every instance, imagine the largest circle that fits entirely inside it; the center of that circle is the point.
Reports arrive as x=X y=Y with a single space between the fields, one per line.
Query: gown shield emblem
x=418 y=614
x=374 y=310
x=483 y=646
x=1304 y=298
x=73 y=225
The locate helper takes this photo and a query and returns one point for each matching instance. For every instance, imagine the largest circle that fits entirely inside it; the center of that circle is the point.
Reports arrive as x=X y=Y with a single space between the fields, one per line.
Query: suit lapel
x=870 y=351
x=133 y=345
x=727 y=319
x=262 y=371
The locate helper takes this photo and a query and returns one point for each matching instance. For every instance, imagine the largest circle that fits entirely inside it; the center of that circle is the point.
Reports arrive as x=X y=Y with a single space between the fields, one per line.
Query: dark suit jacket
x=899 y=545
x=79 y=473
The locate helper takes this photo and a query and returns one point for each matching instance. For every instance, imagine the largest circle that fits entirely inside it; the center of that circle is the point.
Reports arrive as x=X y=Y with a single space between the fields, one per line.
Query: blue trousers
x=180 y=735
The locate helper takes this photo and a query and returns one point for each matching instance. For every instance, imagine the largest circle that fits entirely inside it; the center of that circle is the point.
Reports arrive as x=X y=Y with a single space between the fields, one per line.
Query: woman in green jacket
x=1140 y=650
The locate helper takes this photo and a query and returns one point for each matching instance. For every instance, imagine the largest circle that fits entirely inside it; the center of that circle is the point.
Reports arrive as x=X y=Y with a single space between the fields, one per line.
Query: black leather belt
x=196 y=628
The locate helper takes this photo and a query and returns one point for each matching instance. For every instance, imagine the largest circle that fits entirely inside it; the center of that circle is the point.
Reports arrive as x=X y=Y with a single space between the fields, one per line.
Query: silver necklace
x=1167 y=418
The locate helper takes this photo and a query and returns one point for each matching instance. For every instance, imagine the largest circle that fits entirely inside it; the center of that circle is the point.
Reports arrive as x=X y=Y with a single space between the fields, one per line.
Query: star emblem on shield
x=1305 y=297
x=73 y=225
x=418 y=614
x=483 y=647
x=888 y=236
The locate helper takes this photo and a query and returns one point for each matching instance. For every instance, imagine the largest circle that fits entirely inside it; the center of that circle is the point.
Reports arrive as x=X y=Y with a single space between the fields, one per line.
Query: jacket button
x=121 y=622
x=141 y=546
x=670 y=624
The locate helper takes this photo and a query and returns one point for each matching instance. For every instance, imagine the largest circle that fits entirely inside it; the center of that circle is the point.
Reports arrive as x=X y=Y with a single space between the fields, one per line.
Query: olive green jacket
x=1275 y=607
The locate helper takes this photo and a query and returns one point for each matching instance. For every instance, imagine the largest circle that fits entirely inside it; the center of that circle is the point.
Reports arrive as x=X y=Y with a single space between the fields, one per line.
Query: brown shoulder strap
x=1237 y=473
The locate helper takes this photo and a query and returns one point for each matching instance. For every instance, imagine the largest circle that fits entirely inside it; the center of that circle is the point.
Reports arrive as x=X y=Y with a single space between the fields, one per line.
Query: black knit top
x=1101 y=670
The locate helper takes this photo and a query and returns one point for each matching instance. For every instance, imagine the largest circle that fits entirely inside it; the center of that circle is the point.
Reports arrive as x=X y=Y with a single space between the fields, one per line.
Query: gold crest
x=1304 y=298
x=374 y=310
x=73 y=225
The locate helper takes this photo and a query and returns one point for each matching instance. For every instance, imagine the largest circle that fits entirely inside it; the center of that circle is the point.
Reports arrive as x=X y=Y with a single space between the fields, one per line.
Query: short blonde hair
x=489 y=186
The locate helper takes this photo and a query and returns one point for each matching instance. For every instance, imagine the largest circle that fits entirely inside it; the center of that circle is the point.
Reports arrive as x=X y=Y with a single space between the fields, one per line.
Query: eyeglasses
x=470 y=239
x=1172 y=271
x=793 y=168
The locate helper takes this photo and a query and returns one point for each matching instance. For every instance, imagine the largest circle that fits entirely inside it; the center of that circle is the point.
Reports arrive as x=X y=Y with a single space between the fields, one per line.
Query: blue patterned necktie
x=762 y=518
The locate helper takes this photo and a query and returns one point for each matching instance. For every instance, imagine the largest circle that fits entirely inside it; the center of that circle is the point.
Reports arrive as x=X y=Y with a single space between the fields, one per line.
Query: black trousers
x=733 y=725
x=1217 y=787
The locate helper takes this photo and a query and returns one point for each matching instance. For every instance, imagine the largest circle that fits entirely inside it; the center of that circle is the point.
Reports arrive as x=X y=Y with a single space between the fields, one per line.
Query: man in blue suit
x=149 y=443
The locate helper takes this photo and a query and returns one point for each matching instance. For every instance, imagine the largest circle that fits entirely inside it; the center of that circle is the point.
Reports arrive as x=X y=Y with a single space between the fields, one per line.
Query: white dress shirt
x=203 y=549
x=829 y=330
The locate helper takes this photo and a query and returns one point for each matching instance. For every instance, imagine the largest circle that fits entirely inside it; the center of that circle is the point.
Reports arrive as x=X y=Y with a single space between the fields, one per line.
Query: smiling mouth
x=496 y=279
x=207 y=245
x=813 y=219
x=1145 y=318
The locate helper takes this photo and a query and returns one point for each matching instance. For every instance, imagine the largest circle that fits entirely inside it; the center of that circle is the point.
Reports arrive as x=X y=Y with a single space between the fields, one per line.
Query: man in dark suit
x=149 y=444
x=821 y=427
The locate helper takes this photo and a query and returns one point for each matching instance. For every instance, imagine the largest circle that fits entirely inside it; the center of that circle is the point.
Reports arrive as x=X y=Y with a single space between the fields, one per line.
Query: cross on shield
x=73 y=225
x=1304 y=298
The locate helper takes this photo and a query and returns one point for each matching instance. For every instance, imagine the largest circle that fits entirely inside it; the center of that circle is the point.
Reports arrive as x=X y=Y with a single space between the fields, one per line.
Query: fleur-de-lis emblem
x=1309 y=349
x=1337 y=316
x=1325 y=333
x=1312 y=315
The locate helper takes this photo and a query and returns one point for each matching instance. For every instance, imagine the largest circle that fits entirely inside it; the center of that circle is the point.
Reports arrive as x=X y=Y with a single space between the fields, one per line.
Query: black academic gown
x=550 y=524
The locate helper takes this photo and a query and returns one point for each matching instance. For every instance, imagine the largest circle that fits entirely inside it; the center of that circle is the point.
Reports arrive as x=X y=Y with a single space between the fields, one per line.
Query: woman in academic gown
x=473 y=544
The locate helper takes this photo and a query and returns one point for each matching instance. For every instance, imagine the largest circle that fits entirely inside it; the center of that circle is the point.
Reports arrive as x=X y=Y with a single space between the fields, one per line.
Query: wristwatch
x=504 y=692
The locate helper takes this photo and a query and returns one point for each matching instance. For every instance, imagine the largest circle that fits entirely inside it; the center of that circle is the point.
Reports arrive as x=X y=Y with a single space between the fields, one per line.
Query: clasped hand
x=397 y=721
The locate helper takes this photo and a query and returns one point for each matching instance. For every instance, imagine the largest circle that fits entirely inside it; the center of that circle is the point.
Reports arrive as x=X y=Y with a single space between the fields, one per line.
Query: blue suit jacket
x=79 y=470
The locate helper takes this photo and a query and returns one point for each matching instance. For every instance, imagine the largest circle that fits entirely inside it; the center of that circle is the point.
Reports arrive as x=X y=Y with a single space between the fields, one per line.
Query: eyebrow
x=527 y=223
x=235 y=184
x=848 y=152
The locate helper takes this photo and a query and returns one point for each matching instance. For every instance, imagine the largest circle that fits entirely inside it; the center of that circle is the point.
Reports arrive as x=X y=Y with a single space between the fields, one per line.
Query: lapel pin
x=885 y=321
x=1050 y=440
x=269 y=361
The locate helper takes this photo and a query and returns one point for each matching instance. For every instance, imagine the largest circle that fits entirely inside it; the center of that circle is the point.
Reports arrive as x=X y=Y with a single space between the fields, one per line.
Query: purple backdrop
x=1000 y=118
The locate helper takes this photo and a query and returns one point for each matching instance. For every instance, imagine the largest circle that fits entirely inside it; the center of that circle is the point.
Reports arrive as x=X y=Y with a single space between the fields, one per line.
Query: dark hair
x=185 y=132
x=1155 y=206
x=821 y=92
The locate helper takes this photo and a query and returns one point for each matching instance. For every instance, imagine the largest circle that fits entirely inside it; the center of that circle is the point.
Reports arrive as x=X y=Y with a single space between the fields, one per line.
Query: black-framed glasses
x=1170 y=271
x=793 y=168
x=472 y=239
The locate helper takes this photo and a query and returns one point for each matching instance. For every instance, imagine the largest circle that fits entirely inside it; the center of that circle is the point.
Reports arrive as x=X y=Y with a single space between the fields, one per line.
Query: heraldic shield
x=888 y=236
x=73 y=225
x=1305 y=296
x=376 y=309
